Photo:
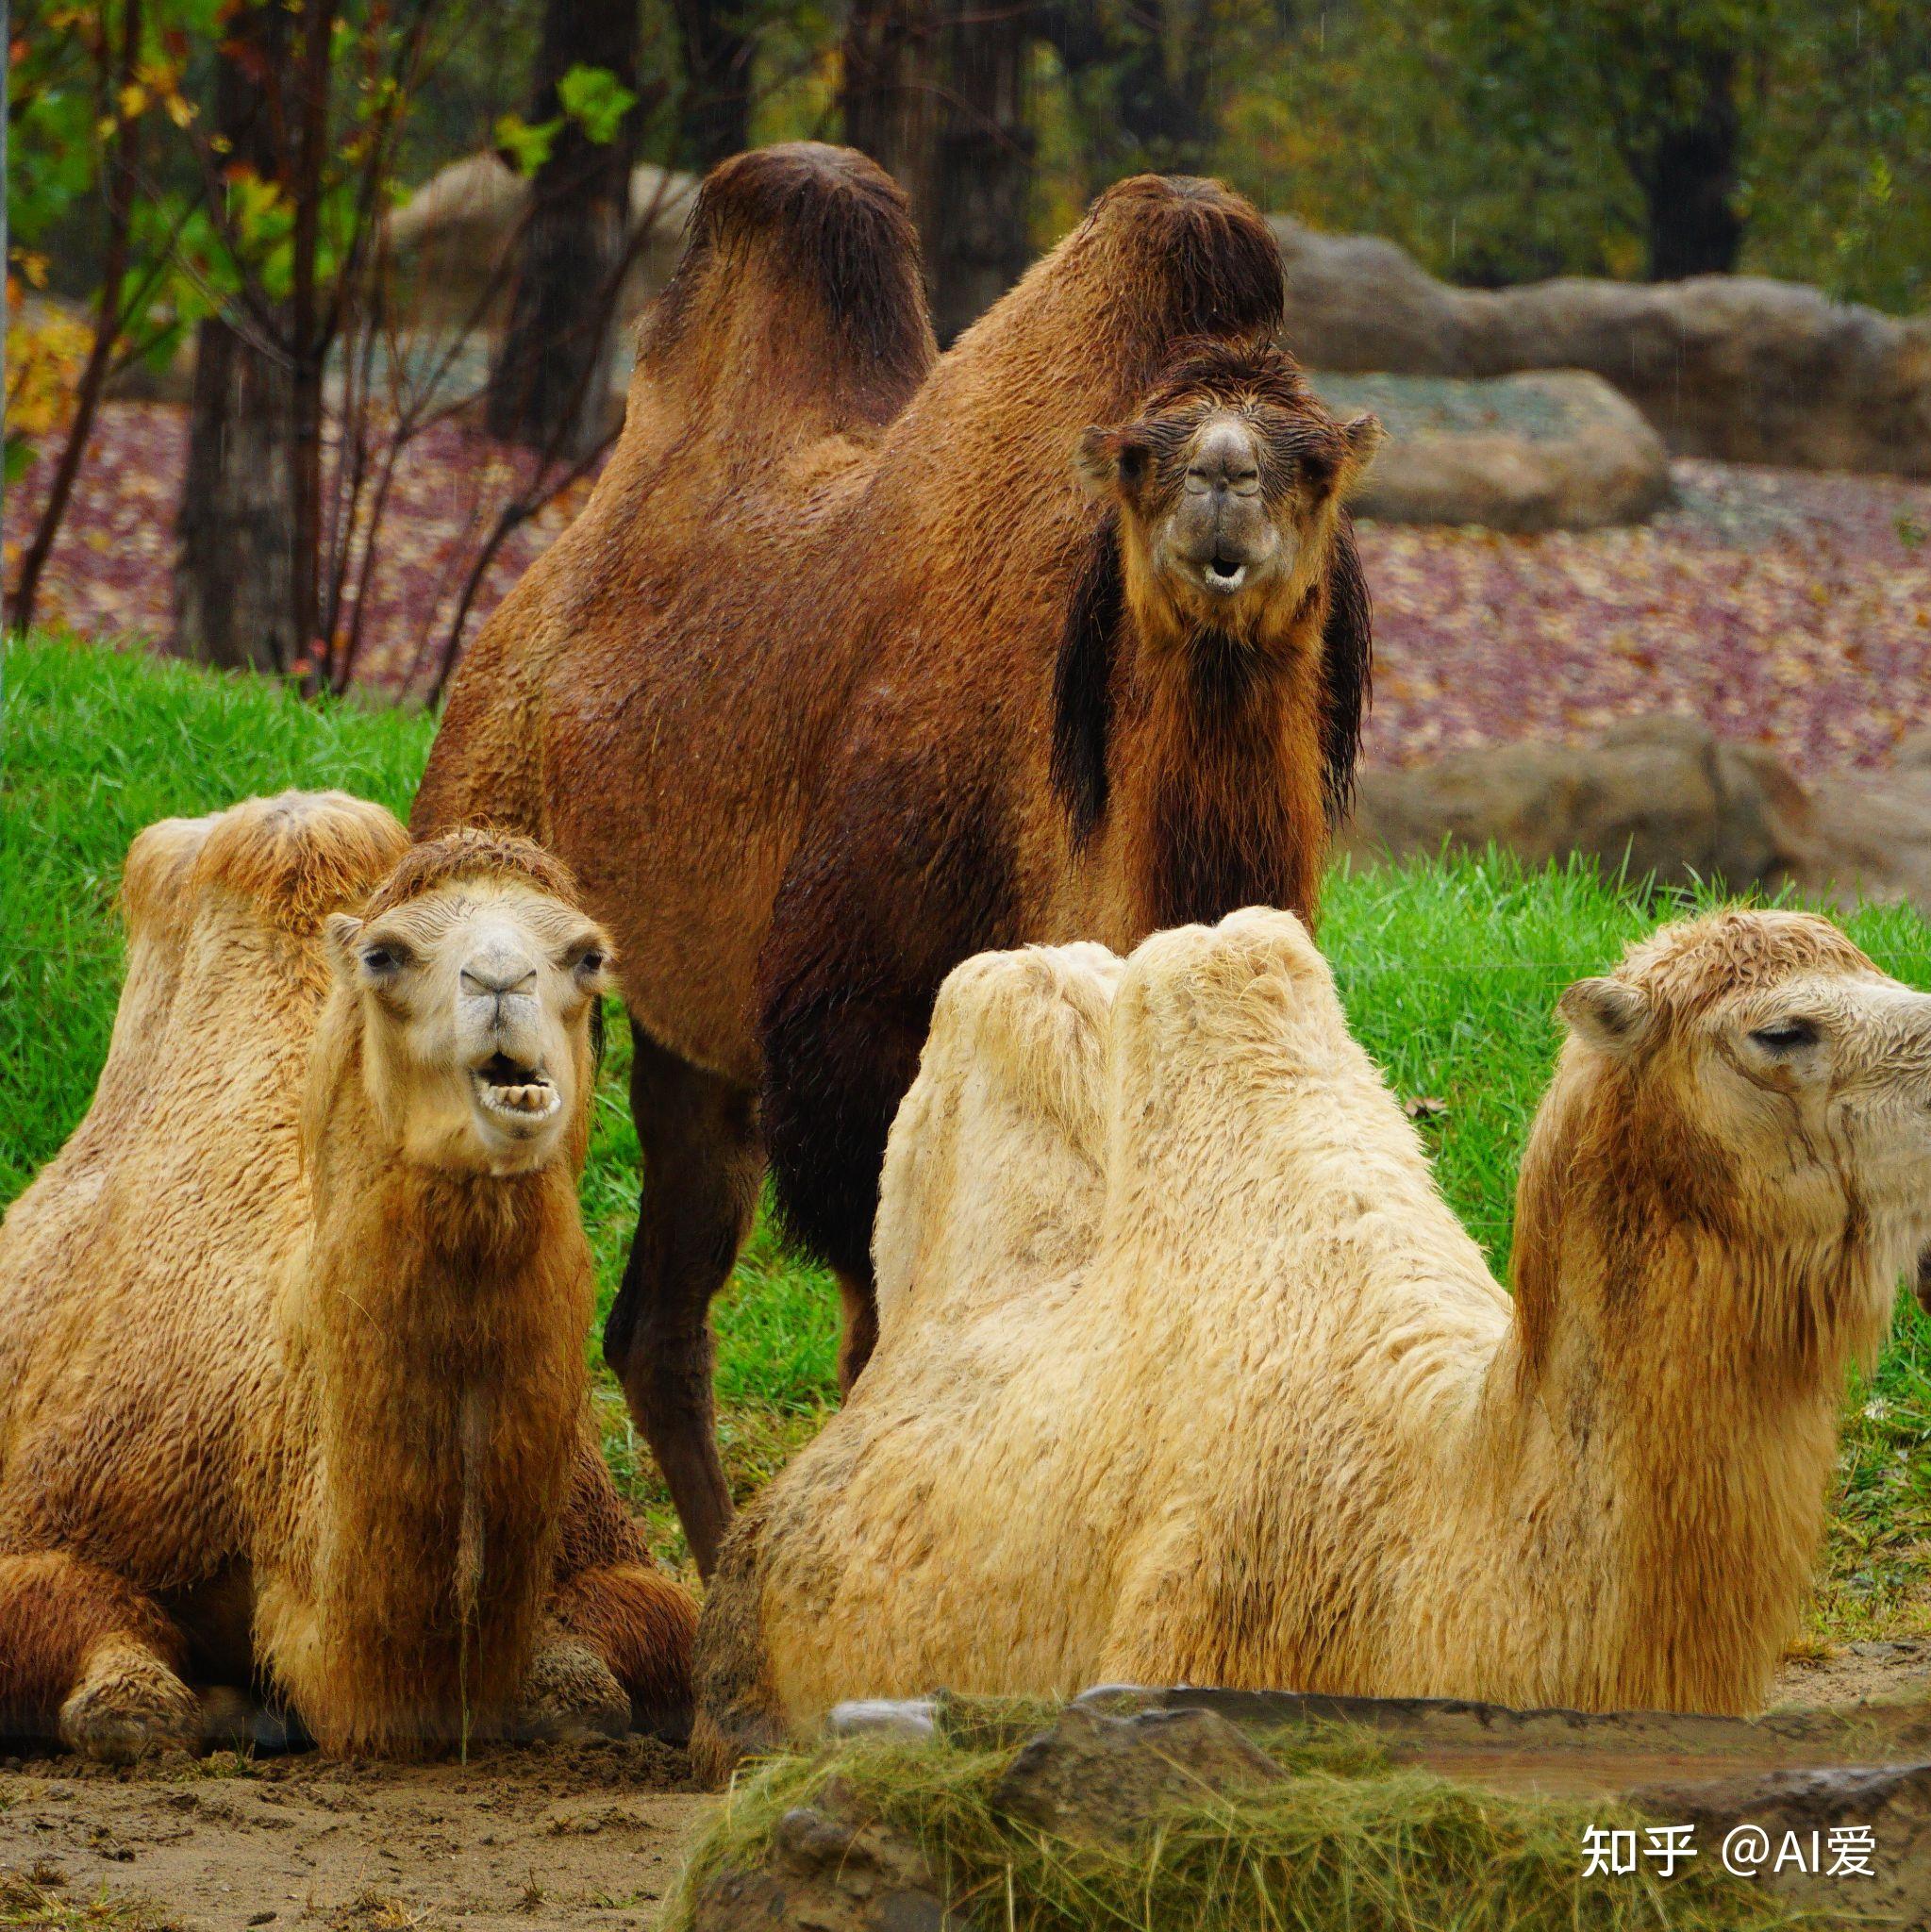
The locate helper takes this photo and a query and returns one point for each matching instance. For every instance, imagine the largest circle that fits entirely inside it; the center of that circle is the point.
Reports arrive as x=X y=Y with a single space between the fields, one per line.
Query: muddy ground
x=567 y=1837
x=545 y=1837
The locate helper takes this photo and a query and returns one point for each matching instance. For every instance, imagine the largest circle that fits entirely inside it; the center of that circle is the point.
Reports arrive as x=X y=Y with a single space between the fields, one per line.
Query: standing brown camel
x=859 y=662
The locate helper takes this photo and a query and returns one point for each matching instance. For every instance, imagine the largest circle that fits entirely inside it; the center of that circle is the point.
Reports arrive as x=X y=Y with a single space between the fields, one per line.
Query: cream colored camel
x=291 y=1330
x=1187 y=1374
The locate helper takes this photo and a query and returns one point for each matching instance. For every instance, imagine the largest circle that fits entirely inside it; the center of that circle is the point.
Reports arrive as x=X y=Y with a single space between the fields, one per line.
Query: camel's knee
x=641 y=1625
x=667 y=1380
x=571 y=1694
x=88 y=1659
x=128 y=1704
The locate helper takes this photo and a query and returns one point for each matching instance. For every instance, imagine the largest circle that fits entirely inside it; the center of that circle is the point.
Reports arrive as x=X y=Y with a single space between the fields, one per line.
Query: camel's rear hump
x=798 y=306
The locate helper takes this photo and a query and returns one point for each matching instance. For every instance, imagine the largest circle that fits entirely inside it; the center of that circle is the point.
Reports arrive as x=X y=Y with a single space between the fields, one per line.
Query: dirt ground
x=563 y=1837
x=566 y=1838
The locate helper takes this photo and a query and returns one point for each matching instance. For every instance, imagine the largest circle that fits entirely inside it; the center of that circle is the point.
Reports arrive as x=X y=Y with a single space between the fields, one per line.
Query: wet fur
x=1185 y=1372
x=829 y=687
x=245 y=1359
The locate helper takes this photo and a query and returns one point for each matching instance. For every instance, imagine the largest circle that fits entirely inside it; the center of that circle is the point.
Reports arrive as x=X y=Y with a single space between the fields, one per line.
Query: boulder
x=450 y=238
x=1874 y=829
x=1817 y=1785
x=1559 y=450
x=1109 y=1779
x=1661 y=796
x=1665 y=796
x=831 y=1865
x=1741 y=368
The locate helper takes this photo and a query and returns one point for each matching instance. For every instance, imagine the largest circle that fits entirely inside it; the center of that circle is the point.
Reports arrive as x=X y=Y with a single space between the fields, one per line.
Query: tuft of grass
x=38 y=1900
x=1449 y=972
x=1337 y=1842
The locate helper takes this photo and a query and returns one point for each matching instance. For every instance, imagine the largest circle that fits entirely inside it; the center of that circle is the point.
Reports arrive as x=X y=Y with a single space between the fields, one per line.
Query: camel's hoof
x=130 y=1705
x=570 y=1695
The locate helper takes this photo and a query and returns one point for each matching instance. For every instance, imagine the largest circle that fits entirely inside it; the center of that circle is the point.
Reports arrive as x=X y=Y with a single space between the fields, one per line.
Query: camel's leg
x=621 y=1631
x=639 y=1626
x=702 y=1166
x=89 y=1659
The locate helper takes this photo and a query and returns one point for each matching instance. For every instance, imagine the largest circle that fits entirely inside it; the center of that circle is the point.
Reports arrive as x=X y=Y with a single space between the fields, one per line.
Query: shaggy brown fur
x=280 y=1405
x=1188 y=1374
x=849 y=670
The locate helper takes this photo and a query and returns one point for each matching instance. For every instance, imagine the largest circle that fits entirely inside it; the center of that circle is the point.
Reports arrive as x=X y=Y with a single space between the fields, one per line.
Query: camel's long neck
x=1220 y=792
x=437 y=1339
x=1660 y=1430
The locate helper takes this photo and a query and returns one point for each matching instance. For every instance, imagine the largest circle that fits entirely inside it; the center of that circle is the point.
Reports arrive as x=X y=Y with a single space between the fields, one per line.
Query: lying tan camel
x=291 y=1330
x=1187 y=1374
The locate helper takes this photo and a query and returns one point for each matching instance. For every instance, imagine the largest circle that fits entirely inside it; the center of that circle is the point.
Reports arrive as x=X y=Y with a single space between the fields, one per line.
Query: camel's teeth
x=538 y=1099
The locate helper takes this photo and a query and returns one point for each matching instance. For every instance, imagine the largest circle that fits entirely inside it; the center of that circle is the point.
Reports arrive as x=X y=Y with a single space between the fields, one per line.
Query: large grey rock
x=1098 y=1777
x=1875 y=830
x=1736 y=367
x=1555 y=451
x=831 y=1867
x=451 y=238
x=1109 y=1764
x=1663 y=796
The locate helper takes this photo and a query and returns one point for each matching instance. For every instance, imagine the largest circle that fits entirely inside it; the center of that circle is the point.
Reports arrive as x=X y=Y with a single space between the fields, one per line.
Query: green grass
x=1450 y=974
x=1343 y=1840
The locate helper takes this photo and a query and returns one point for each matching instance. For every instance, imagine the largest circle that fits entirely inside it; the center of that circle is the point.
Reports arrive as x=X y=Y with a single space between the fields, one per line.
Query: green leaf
x=596 y=100
x=526 y=145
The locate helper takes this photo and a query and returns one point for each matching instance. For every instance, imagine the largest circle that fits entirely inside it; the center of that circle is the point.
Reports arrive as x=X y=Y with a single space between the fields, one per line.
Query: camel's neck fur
x=1658 y=1428
x=434 y=1326
x=1219 y=761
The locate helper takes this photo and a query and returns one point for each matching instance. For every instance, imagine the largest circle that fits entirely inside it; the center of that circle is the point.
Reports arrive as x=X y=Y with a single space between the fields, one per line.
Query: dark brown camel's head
x=1225 y=552
x=1227 y=487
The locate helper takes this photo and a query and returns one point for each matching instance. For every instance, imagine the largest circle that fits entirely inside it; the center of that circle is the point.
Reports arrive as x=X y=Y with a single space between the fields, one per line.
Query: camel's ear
x=1363 y=436
x=1605 y=1014
x=1112 y=461
x=343 y=930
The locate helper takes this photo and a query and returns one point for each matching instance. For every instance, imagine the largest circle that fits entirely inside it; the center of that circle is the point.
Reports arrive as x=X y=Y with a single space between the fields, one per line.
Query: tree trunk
x=716 y=117
x=235 y=575
x=1689 y=180
x=887 y=93
x=1161 y=87
x=122 y=168
x=977 y=242
x=550 y=385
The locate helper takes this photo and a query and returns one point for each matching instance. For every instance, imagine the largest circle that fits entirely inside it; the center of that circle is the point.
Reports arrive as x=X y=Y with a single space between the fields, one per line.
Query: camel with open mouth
x=292 y=1391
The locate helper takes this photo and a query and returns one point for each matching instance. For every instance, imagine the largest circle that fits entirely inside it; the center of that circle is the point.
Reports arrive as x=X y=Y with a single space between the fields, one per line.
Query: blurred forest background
x=221 y=174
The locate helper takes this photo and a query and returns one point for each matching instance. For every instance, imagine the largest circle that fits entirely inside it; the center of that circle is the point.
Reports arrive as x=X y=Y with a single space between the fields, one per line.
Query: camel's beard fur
x=445 y=1390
